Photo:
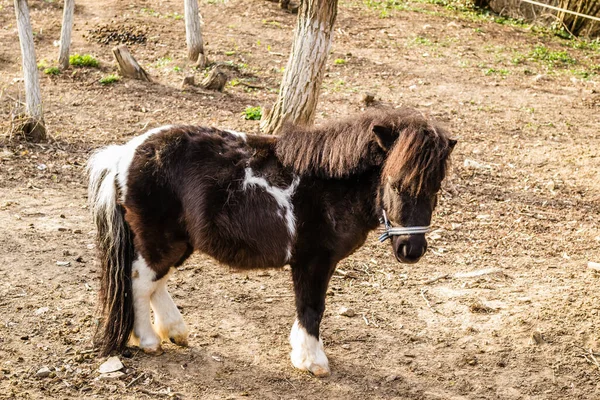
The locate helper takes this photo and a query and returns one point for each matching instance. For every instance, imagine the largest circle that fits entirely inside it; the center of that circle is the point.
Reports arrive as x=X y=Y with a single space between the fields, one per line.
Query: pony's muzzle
x=409 y=248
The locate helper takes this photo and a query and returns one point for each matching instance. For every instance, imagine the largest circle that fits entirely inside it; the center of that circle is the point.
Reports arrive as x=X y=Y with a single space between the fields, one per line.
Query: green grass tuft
x=252 y=113
x=109 y=79
x=52 y=71
x=83 y=60
x=551 y=58
x=494 y=71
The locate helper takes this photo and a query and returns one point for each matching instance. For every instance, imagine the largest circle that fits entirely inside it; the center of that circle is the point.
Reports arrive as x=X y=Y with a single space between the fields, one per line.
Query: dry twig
x=423 y=291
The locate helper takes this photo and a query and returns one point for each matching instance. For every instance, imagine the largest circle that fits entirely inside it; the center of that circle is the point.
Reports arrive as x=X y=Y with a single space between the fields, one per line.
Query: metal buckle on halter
x=399 y=231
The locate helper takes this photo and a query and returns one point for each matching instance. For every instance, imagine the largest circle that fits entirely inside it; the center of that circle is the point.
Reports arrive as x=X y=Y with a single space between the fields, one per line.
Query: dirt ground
x=515 y=313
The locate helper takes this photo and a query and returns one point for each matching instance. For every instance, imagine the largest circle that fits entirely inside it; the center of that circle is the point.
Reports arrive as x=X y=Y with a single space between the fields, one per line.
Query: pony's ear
x=451 y=144
x=384 y=136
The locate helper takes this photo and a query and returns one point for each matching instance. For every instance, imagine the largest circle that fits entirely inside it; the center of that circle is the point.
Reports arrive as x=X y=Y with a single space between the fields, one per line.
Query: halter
x=399 y=231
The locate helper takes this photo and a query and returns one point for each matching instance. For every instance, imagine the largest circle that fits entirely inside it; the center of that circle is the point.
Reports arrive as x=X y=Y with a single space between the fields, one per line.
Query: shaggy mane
x=415 y=162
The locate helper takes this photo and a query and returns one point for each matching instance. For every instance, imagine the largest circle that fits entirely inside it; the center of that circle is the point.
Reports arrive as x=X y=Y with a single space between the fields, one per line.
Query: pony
x=307 y=198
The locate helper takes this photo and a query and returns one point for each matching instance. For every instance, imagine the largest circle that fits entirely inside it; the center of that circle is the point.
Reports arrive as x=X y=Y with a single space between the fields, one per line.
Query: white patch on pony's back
x=112 y=164
x=241 y=135
x=307 y=351
x=283 y=197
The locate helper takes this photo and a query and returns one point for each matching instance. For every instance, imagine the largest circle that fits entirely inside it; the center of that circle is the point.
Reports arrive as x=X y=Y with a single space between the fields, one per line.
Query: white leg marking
x=168 y=321
x=241 y=135
x=307 y=352
x=283 y=197
x=143 y=286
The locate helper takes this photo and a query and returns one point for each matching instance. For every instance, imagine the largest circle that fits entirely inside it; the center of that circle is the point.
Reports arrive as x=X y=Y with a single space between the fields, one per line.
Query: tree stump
x=215 y=80
x=33 y=129
x=188 y=81
x=128 y=66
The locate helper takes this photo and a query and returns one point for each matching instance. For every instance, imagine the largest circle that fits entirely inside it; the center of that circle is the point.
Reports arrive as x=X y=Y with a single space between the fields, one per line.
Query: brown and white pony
x=307 y=198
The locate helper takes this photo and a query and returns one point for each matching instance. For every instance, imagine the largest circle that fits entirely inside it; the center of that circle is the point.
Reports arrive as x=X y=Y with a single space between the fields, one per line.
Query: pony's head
x=417 y=152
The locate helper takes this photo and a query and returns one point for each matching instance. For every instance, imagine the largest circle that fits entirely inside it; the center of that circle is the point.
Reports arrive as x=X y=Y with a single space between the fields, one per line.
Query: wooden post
x=33 y=128
x=128 y=66
x=301 y=84
x=193 y=33
x=65 y=33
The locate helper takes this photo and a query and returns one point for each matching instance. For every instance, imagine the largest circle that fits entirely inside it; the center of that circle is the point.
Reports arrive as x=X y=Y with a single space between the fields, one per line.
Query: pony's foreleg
x=143 y=285
x=168 y=321
x=310 y=285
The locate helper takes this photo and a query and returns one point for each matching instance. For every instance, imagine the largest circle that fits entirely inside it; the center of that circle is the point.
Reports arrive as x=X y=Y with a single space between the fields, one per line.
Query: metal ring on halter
x=398 y=231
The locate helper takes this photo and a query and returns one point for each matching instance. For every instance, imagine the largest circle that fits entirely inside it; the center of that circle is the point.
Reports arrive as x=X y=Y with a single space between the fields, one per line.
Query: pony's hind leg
x=310 y=284
x=143 y=285
x=168 y=321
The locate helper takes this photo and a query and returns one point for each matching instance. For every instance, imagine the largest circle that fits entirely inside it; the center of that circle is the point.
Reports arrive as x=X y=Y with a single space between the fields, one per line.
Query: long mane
x=340 y=148
x=336 y=149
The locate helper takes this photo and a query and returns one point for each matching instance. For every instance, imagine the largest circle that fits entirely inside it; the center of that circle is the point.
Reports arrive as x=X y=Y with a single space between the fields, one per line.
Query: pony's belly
x=260 y=241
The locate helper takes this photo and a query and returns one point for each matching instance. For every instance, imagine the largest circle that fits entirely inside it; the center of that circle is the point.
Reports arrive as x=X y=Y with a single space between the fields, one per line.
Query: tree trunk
x=65 y=33
x=193 y=32
x=301 y=84
x=34 y=126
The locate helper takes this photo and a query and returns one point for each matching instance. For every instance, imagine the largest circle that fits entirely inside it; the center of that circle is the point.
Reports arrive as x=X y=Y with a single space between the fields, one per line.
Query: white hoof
x=307 y=352
x=150 y=344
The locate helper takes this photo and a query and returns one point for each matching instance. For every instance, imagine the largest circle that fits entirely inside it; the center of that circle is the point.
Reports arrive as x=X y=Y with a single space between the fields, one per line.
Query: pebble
x=111 y=365
x=109 y=376
x=42 y=310
x=594 y=265
x=63 y=263
x=346 y=312
x=475 y=165
x=43 y=372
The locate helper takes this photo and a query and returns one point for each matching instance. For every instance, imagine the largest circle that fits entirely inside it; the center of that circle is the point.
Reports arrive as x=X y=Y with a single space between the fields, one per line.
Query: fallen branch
x=439 y=278
x=251 y=86
x=423 y=291
x=135 y=380
x=590 y=356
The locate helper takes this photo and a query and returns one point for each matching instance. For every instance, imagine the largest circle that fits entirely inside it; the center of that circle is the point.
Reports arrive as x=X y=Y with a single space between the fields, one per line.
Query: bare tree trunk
x=65 y=33
x=193 y=32
x=301 y=84
x=33 y=128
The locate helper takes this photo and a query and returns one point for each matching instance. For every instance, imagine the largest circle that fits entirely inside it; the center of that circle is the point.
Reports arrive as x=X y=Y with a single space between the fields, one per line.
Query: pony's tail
x=114 y=241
